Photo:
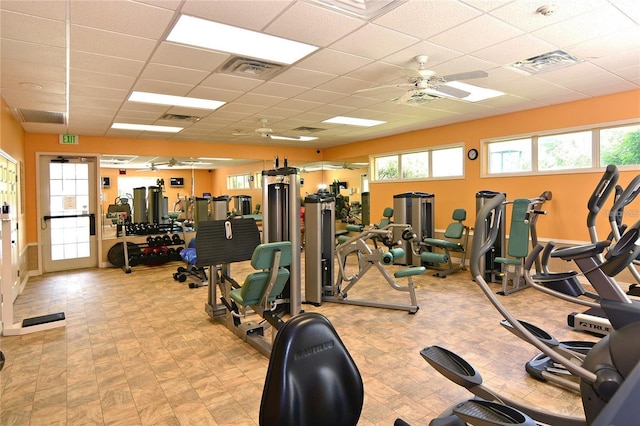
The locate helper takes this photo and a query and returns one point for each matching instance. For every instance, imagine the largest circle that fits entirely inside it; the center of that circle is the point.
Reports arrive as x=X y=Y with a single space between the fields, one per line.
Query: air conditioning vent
x=180 y=117
x=35 y=116
x=546 y=62
x=308 y=129
x=250 y=68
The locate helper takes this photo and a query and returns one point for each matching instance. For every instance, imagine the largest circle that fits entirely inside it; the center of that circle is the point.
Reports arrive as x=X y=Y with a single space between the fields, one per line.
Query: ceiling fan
x=265 y=132
x=426 y=85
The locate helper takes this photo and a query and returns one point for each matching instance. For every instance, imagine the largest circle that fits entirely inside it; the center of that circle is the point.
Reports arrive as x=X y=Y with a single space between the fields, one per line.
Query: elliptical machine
x=602 y=373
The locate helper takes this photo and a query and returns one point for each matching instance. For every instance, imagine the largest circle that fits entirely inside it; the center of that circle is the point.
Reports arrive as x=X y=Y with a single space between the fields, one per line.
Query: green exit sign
x=69 y=139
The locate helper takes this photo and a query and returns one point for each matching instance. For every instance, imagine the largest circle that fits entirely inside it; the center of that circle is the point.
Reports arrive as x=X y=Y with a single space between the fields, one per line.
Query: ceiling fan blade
x=405 y=97
x=465 y=75
x=386 y=87
x=451 y=91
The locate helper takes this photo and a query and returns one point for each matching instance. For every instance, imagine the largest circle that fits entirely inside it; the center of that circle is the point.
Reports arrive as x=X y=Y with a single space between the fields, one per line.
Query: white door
x=68 y=200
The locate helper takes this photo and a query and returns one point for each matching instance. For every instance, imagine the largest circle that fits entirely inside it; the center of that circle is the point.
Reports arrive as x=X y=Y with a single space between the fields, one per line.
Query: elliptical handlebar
x=601 y=193
x=625 y=198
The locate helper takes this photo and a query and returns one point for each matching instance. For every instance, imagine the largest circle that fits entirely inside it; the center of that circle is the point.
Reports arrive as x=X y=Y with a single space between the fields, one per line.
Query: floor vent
x=35 y=116
x=546 y=62
x=251 y=68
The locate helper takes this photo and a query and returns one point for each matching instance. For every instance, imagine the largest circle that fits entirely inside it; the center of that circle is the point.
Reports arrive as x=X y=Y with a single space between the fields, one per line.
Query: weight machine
x=368 y=257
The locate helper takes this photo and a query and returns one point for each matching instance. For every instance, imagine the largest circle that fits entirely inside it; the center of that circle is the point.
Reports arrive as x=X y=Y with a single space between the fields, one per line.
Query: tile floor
x=139 y=349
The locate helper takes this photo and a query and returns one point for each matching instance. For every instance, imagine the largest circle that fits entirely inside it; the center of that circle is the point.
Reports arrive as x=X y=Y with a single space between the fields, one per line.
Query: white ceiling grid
x=118 y=46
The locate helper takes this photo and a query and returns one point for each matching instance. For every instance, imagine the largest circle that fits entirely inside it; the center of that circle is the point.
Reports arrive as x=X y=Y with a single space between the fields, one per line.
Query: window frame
x=246 y=179
x=374 y=173
x=595 y=130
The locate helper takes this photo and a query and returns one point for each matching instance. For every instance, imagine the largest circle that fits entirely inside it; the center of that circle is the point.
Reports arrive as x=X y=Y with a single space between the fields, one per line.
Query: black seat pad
x=311 y=379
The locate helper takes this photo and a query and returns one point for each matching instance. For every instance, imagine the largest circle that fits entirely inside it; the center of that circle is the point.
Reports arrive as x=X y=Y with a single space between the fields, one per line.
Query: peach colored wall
x=35 y=143
x=567 y=211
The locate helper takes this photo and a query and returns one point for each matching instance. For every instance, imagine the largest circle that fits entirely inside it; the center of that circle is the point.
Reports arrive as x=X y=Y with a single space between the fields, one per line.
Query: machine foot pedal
x=480 y=412
x=29 y=322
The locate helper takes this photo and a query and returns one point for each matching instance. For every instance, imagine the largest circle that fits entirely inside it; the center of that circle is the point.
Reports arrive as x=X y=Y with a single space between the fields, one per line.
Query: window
x=620 y=146
x=438 y=162
x=447 y=162
x=386 y=168
x=567 y=151
x=238 y=181
x=415 y=165
x=510 y=156
x=579 y=150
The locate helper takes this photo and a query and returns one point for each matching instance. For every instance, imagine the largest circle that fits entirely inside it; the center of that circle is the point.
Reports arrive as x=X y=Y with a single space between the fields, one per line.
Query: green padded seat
x=255 y=284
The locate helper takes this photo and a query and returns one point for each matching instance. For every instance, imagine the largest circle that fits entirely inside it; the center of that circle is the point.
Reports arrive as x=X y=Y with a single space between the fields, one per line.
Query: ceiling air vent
x=34 y=116
x=180 y=117
x=308 y=129
x=250 y=68
x=545 y=62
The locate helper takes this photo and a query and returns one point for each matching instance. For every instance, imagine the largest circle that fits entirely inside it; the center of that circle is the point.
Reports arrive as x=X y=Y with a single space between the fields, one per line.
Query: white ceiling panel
x=123 y=16
x=178 y=55
x=387 y=42
x=425 y=19
x=33 y=29
x=105 y=64
x=461 y=37
x=250 y=14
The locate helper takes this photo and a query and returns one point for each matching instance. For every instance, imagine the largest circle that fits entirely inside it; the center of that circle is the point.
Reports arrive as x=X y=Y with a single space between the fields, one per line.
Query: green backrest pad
x=262 y=257
x=456 y=229
x=519 y=232
x=255 y=283
x=386 y=220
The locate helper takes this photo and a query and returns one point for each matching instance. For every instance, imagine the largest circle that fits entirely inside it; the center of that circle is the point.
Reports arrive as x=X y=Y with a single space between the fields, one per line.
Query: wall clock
x=472 y=154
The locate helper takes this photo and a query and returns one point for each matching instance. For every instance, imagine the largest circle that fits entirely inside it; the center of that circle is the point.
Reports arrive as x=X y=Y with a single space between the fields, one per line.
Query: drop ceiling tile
x=273 y=88
x=34 y=54
x=164 y=87
x=486 y=5
x=301 y=77
x=377 y=72
x=45 y=9
x=476 y=34
x=126 y=17
x=437 y=54
x=333 y=62
x=90 y=78
x=232 y=82
x=32 y=29
x=344 y=85
x=522 y=13
x=214 y=94
x=299 y=105
x=311 y=24
x=618 y=43
x=45 y=128
x=40 y=102
x=317 y=95
x=628 y=7
x=356 y=102
x=188 y=57
x=105 y=64
x=171 y=73
x=93 y=102
x=585 y=27
x=51 y=78
x=257 y=13
x=259 y=100
x=108 y=43
x=99 y=92
x=387 y=42
x=238 y=111
x=424 y=19
x=515 y=49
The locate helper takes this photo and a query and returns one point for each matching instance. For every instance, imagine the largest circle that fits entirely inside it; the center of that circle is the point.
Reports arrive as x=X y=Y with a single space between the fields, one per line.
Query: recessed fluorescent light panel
x=226 y=38
x=354 y=121
x=146 y=127
x=476 y=93
x=288 y=138
x=157 y=98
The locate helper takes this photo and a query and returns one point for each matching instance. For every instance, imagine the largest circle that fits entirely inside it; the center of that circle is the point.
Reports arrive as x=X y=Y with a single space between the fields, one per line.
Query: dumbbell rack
x=159 y=244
